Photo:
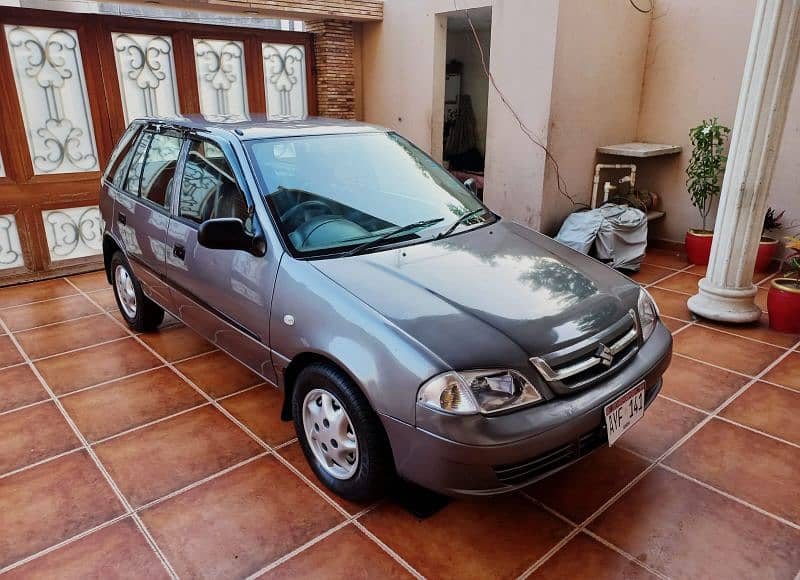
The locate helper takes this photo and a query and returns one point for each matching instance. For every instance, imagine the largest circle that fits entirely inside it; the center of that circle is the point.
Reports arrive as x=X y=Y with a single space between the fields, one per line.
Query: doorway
x=466 y=93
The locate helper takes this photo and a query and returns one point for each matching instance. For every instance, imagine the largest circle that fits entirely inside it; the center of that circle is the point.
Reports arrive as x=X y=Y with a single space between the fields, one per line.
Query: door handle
x=121 y=218
x=179 y=251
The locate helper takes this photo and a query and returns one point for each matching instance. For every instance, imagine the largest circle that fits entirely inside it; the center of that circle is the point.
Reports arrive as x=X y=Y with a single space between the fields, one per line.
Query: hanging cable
x=642 y=10
x=561 y=184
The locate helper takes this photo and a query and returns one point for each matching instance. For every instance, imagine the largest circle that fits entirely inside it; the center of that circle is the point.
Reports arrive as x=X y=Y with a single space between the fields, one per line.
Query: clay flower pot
x=783 y=304
x=766 y=251
x=698 y=246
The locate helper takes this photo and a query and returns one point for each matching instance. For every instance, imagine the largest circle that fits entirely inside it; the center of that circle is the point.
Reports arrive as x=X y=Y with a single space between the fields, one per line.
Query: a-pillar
x=727 y=292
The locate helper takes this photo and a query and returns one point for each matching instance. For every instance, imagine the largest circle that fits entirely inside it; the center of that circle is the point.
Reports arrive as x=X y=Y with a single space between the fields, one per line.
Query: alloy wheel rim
x=330 y=434
x=125 y=291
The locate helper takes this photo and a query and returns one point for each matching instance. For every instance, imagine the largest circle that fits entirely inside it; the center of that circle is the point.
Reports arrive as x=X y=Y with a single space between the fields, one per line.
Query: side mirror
x=472 y=184
x=229 y=234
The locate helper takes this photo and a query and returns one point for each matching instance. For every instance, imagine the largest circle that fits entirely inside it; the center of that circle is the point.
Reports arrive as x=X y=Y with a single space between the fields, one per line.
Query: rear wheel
x=340 y=434
x=141 y=313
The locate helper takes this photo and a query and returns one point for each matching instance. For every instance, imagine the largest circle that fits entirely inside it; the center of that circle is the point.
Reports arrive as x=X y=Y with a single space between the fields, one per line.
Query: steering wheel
x=292 y=214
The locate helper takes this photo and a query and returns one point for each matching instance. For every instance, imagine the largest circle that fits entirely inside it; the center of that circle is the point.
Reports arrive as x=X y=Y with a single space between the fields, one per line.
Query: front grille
x=592 y=360
x=514 y=473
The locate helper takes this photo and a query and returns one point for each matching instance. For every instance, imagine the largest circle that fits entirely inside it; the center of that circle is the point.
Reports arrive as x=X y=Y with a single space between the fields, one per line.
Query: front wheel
x=141 y=313
x=340 y=434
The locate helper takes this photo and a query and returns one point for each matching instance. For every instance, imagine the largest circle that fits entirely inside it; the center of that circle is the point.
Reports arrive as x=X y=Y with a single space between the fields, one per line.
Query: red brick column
x=333 y=53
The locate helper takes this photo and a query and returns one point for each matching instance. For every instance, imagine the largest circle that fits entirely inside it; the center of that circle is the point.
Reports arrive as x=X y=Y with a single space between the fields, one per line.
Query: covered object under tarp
x=618 y=234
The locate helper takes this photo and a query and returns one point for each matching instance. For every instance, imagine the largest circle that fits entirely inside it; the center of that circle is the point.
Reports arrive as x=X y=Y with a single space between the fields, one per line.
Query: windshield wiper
x=461 y=220
x=394 y=232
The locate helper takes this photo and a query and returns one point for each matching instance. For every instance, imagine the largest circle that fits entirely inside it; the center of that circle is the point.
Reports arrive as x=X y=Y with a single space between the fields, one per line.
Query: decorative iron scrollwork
x=284 y=74
x=10 y=254
x=74 y=232
x=142 y=59
x=50 y=61
x=220 y=67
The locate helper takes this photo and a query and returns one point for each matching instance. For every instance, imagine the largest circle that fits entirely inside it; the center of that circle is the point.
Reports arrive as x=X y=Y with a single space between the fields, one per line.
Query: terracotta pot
x=783 y=304
x=698 y=246
x=766 y=251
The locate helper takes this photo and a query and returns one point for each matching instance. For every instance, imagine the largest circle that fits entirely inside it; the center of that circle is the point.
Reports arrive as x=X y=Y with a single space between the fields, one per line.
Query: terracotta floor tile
x=49 y=503
x=648 y=273
x=346 y=554
x=91 y=281
x=33 y=434
x=663 y=424
x=260 y=410
x=453 y=542
x=671 y=303
x=218 y=374
x=177 y=342
x=19 y=387
x=118 y=551
x=725 y=350
x=237 y=523
x=770 y=409
x=9 y=355
x=683 y=282
x=673 y=324
x=583 y=557
x=699 y=384
x=698 y=269
x=294 y=454
x=577 y=491
x=68 y=372
x=130 y=402
x=750 y=466
x=34 y=292
x=39 y=313
x=686 y=531
x=757 y=331
x=786 y=372
x=154 y=461
x=665 y=259
x=64 y=336
x=105 y=298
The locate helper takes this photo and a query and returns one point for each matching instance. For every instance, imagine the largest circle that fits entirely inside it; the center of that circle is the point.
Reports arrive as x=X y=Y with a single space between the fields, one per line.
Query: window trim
x=178 y=135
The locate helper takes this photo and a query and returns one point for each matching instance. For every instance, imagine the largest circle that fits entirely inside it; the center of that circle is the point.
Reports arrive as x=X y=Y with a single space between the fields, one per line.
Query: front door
x=222 y=294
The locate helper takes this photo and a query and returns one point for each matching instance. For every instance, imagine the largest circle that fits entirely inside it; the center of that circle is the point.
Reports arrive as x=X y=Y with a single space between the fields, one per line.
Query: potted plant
x=768 y=246
x=703 y=181
x=783 y=300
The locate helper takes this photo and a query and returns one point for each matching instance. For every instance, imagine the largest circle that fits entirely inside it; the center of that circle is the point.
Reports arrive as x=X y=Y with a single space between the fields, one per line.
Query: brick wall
x=333 y=53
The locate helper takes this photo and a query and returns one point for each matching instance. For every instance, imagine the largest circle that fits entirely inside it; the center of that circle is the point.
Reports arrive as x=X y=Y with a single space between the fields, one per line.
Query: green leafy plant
x=706 y=165
x=792 y=261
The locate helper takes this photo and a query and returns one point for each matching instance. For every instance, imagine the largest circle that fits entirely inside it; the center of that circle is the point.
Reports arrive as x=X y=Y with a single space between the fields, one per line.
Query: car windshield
x=334 y=193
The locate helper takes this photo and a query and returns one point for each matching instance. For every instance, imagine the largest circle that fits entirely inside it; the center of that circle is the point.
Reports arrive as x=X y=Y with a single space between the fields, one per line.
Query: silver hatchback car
x=413 y=332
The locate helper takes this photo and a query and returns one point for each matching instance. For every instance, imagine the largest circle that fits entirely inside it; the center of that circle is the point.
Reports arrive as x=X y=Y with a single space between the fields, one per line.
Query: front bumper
x=477 y=455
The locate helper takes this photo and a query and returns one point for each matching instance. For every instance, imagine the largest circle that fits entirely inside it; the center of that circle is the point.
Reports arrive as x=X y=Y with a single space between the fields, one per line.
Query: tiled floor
x=126 y=455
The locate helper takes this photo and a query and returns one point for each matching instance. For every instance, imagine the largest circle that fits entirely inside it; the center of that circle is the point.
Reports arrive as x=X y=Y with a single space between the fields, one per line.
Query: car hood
x=494 y=295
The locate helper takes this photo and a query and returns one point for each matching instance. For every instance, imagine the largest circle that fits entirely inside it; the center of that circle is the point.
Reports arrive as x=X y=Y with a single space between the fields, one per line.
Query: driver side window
x=209 y=189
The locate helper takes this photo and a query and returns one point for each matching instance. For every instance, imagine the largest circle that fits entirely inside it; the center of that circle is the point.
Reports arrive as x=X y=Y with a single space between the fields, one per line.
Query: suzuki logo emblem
x=605 y=355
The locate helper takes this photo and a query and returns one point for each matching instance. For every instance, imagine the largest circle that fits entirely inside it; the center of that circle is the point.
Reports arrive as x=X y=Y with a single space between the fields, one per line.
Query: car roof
x=259 y=126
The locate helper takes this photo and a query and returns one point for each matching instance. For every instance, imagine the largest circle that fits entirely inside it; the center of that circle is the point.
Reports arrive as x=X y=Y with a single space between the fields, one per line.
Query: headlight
x=472 y=392
x=648 y=313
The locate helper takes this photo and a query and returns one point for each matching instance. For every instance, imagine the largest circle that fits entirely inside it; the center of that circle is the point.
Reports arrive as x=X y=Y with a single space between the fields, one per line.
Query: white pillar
x=727 y=291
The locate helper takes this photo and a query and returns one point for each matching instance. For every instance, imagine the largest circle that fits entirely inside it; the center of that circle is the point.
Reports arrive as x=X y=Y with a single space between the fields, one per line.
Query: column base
x=734 y=305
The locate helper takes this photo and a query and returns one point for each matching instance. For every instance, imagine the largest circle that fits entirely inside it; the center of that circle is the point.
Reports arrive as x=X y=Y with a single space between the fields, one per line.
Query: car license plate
x=623 y=412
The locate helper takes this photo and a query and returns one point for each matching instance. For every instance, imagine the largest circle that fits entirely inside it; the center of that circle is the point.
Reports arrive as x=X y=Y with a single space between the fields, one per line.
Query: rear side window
x=209 y=188
x=158 y=170
x=134 y=177
x=122 y=155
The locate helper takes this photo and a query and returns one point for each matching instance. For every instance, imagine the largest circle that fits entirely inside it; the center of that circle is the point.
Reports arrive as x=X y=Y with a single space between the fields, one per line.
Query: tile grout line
x=79 y=349
x=10 y=306
x=23 y=407
x=107 y=476
x=35 y=464
x=651 y=467
x=56 y=323
x=238 y=423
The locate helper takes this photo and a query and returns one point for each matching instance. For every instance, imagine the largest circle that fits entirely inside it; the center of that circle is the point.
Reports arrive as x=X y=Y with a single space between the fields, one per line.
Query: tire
x=371 y=472
x=141 y=313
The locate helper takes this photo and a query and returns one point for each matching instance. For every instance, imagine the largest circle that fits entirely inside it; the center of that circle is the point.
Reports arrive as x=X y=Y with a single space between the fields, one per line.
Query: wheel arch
x=110 y=247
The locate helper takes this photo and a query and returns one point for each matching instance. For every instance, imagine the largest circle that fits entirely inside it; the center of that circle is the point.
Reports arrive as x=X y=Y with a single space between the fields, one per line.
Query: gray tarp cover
x=618 y=233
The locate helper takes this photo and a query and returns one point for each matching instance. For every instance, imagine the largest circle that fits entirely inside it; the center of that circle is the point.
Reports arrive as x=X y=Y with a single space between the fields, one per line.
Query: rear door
x=222 y=294
x=143 y=208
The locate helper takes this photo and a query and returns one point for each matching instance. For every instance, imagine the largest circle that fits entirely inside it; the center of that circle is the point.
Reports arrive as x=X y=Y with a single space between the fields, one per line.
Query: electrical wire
x=648 y=11
x=561 y=184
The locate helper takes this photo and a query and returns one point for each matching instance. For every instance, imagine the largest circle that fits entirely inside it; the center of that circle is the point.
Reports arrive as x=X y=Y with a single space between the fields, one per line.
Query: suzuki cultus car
x=412 y=331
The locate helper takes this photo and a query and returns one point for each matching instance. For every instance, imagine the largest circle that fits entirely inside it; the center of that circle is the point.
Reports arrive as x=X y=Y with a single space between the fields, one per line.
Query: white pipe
x=600 y=166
